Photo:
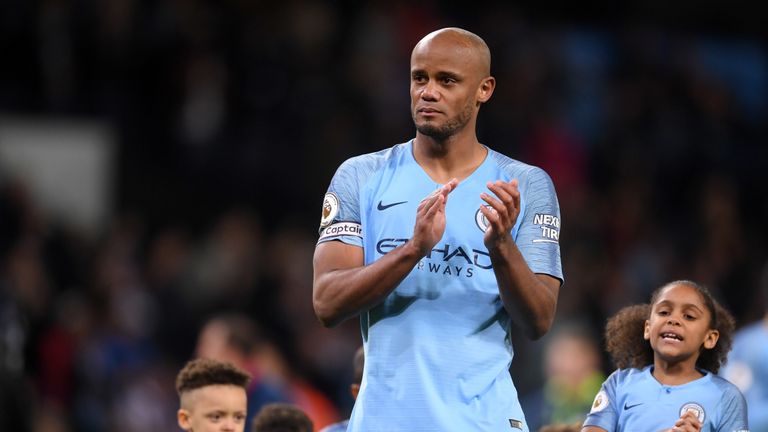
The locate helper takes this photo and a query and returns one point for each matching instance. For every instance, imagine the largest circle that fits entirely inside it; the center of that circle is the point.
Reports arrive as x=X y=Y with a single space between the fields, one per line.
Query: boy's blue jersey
x=747 y=367
x=633 y=400
x=437 y=351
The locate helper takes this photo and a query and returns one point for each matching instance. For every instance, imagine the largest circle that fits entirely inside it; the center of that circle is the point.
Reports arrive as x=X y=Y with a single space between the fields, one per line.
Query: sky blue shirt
x=437 y=351
x=633 y=400
x=336 y=427
x=747 y=367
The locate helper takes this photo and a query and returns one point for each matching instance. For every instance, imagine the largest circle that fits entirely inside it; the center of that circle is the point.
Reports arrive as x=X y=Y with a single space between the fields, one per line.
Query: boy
x=212 y=397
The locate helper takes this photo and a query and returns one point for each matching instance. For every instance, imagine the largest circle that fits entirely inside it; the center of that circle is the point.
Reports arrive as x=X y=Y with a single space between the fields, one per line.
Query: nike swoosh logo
x=386 y=206
x=626 y=407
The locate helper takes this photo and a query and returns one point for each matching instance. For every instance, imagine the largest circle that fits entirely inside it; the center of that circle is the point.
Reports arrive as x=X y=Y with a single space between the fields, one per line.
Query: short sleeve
x=538 y=236
x=733 y=407
x=603 y=413
x=340 y=218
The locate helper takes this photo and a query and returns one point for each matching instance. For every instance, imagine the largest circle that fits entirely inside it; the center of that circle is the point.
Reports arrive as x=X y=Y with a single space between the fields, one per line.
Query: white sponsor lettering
x=546 y=219
x=544 y=241
x=550 y=228
x=550 y=233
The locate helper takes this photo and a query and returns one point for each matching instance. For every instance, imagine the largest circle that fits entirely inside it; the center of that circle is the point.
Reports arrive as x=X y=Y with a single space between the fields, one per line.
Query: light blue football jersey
x=633 y=400
x=747 y=367
x=336 y=427
x=437 y=351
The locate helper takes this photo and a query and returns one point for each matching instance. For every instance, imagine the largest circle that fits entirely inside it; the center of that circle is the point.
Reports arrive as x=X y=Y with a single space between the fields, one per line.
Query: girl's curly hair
x=628 y=349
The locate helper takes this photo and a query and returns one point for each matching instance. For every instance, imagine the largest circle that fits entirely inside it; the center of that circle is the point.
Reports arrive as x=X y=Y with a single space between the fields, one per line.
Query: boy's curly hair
x=628 y=349
x=203 y=372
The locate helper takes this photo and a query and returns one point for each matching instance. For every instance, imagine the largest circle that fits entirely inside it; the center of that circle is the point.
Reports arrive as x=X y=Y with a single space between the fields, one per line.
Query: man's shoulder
x=359 y=169
x=514 y=167
x=376 y=158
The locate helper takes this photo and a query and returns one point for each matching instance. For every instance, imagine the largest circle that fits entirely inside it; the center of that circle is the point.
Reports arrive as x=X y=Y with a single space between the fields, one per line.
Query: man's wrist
x=412 y=251
x=502 y=247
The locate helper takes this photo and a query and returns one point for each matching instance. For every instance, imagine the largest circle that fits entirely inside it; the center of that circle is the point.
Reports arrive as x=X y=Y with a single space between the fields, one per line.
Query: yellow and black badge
x=330 y=209
x=601 y=401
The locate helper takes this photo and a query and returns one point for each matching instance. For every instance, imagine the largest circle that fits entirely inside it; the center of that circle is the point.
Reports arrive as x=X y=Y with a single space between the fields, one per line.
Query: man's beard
x=450 y=128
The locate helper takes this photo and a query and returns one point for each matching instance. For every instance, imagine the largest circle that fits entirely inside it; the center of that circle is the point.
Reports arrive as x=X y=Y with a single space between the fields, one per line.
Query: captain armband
x=341 y=229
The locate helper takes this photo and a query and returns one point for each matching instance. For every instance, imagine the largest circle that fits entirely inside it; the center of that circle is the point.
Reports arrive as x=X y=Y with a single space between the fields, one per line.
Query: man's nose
x=429 y=92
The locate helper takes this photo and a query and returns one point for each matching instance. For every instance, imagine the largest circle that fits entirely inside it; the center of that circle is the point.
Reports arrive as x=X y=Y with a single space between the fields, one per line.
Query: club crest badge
x=481 y=220
x=695 y=408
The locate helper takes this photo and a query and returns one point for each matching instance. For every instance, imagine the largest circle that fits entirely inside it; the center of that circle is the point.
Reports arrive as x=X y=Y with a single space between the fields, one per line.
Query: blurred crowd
x=230 y=117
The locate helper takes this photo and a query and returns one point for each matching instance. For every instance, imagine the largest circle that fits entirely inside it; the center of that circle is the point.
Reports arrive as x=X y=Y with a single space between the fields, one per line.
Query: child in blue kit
x=666 y=381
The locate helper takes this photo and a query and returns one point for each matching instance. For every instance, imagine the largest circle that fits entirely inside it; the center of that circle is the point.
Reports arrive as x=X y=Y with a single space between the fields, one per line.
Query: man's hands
x=430 y=218
x=502 y=213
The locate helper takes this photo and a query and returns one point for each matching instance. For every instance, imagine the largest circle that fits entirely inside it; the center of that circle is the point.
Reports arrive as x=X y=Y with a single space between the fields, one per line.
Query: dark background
x=230 y=118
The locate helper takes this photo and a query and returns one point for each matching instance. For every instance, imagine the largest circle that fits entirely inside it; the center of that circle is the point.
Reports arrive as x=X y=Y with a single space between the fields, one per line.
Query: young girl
x=668 y=353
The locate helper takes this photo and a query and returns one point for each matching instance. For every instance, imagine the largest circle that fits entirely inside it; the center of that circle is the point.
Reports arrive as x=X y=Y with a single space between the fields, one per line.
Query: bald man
x=439 y=244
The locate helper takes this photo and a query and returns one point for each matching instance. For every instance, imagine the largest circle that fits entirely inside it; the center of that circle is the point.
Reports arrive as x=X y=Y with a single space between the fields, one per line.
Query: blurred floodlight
x=65 y=165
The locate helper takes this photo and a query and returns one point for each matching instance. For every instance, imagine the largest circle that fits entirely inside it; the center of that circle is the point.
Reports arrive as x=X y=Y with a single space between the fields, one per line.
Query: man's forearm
x=529 y=300
x=343 y=293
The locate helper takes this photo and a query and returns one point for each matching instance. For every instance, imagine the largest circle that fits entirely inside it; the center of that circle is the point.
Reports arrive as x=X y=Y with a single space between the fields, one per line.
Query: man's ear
x=710 y=340
x=182 y=416
x=484 y=92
